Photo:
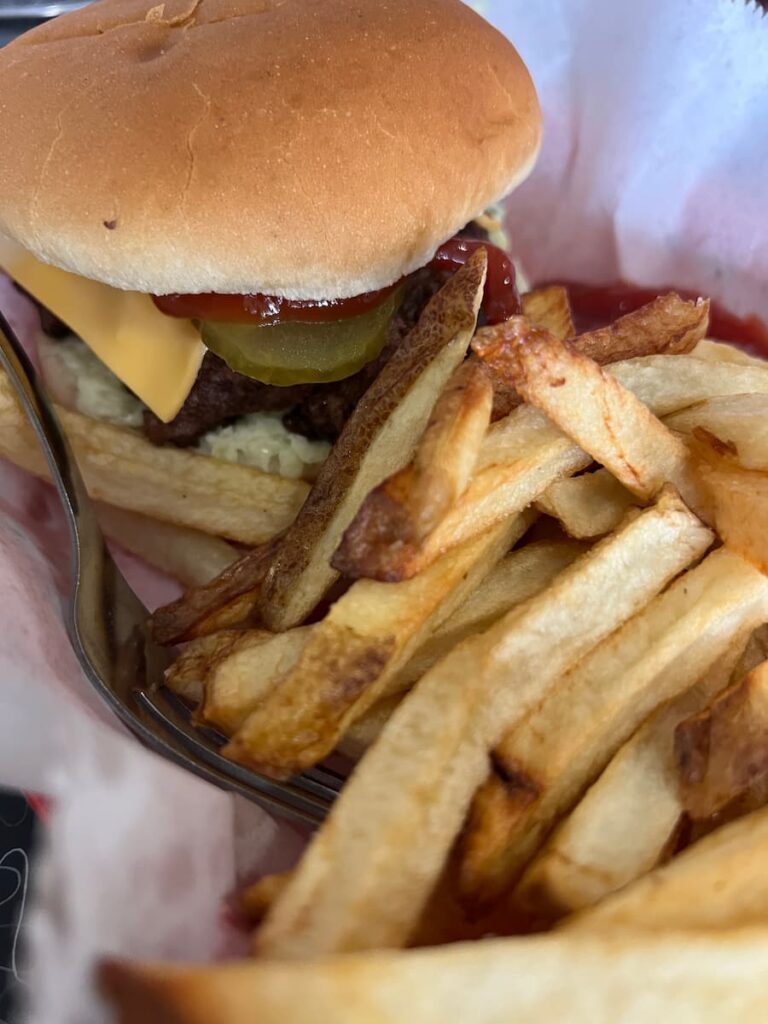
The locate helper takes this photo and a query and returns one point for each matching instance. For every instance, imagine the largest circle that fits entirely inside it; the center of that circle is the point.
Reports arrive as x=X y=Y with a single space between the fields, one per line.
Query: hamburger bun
x=303 y=148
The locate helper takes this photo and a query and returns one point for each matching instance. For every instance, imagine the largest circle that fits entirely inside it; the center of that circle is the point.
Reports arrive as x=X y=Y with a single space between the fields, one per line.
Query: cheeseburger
x=231 y=213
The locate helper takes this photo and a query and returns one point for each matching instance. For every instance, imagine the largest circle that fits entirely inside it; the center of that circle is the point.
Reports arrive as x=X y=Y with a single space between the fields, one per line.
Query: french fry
x=407 y=506
x=255 y=900
x=377 y=440
x=667 y=384
x=517 y=578
x=192 y=557
x=523 y=454
x=236 y=684
x=669 y=324
x=364 y=731
x=541 y=769
x=627 y=822
x=717 y=884
x=590 y=406
x=723 y=750
x=174 y=485
x=186 y=676
x=351 y=658
x=367 y=874
x=235 y=689
x=589 y=505
x=754 y=654
x=550 y=309
x=738 y=422
x=736 y=499
x=696 y=977
x=226 y=601
x=722 y=352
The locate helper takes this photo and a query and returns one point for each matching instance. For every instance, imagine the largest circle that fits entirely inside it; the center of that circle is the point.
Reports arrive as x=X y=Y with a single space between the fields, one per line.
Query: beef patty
x=318 y=411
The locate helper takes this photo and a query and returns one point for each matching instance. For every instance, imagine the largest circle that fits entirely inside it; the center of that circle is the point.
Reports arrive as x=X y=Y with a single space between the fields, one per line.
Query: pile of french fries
x=540 y=634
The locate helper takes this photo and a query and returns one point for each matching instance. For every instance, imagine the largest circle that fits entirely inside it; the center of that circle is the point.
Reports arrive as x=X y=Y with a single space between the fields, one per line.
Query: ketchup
x=501 y=299
x=500 y=302
x=267 y=309
x=597 y=305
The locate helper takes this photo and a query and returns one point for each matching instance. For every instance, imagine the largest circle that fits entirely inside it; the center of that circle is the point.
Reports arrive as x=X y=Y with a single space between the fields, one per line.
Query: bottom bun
x=173 y=485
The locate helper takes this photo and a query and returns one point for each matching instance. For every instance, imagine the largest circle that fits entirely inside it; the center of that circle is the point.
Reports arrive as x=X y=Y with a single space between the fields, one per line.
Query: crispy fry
x=629 y=820
x=523 y=453
x=719 y=883
x=517 y=578
x=190 y=556
x=369 y=871
x=235 y=689
x=521 y=456
x=256 y=899
x=186 y=676
x=352 y=657
x=668 y=325
x=377 y=440
x=589 y=505
x=755 y=653
x=722 y=352
x=738 y=422
x=228 y=600
x=364 y=731
x=667 y=384
x=550 y=309
x=736 y=499
x=723 y=750
x=235 y=685
x=590 y=405
x=578 y=978
x=407 y=506
x=542 y=767
x=173 y=485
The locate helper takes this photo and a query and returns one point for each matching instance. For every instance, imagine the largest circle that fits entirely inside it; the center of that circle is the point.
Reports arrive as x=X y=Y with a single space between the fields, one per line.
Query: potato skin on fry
x=227 y=601
x=723 y=750
x=377 y=440
x=591 y=406
x=667 y=326
x=402 y=511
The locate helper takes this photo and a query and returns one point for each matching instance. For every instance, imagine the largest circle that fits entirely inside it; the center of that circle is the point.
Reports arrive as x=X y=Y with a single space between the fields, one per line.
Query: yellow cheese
x=158 y=357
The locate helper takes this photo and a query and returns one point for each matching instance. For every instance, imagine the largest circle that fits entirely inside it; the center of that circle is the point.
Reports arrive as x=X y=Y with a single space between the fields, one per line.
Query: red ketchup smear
x=266 y=309
x=597 y=305
x=501 y=299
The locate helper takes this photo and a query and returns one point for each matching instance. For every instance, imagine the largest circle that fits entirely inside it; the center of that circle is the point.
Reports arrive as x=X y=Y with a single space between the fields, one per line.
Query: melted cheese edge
x=157 y=356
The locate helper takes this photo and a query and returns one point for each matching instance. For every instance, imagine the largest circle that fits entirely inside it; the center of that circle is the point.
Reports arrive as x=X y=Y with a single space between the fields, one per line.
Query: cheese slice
x=157 y=356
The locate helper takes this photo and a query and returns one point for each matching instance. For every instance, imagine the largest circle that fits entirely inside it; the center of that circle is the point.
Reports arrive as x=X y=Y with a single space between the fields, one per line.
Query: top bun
x=304 y=148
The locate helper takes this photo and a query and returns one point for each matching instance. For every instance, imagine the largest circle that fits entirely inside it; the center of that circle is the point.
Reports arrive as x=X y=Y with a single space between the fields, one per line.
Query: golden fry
x=377 y=440
x=406 y=507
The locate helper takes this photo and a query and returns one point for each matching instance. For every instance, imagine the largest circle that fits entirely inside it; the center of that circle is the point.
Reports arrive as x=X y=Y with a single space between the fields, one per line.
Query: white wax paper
x=653 y=169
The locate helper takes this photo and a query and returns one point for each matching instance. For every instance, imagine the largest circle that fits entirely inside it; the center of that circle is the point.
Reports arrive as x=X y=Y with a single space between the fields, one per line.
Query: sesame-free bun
x=306 y=148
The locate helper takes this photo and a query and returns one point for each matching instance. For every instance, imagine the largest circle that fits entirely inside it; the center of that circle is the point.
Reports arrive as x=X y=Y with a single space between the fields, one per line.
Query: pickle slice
x=301 y=353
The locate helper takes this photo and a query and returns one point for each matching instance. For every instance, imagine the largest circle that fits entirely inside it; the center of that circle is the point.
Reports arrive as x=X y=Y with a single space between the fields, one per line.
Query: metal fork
x=108 y=629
